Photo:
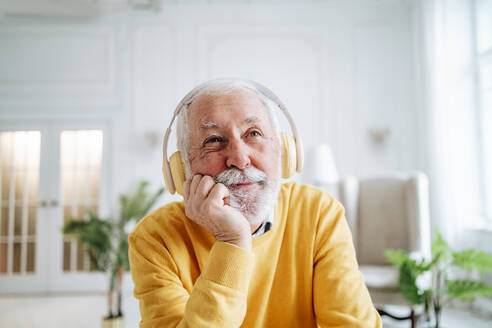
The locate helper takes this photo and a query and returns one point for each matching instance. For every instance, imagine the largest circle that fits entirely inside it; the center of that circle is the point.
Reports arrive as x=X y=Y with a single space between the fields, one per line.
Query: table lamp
x=320 y=166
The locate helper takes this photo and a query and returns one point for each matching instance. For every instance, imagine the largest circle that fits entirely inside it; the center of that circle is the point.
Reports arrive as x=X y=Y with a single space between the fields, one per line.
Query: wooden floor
x=83 y=311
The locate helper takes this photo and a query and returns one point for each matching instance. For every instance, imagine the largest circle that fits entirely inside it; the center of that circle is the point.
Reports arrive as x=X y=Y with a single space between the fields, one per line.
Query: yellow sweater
x=301 y=273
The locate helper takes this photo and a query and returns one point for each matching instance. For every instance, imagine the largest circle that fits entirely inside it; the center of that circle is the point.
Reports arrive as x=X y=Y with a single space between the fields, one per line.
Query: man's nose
x=238 y=155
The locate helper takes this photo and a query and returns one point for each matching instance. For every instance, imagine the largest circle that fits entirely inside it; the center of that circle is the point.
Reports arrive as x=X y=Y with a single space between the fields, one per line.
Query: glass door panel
x=19 y=179
x=81 y=158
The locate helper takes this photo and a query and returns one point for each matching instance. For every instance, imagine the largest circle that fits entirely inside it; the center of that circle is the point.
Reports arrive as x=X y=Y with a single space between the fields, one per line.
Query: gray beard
x=256 y=208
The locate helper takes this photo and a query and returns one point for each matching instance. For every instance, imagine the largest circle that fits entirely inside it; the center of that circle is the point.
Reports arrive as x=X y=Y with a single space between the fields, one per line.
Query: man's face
x=233 y=131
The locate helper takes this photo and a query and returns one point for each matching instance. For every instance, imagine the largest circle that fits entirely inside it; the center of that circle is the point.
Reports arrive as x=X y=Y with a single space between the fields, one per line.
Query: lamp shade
x=321 y=168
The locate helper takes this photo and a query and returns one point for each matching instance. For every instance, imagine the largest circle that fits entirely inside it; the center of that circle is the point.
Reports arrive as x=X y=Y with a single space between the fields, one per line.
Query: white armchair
x=390 y=211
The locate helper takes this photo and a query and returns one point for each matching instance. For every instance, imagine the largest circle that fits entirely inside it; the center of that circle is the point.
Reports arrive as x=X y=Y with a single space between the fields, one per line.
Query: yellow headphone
x=292 y=152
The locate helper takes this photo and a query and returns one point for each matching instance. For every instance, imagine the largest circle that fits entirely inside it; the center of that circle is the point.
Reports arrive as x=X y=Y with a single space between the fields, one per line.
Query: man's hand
x=207 y=204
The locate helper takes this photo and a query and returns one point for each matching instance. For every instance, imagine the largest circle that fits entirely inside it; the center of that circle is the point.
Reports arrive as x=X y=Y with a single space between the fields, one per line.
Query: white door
x=50 y=172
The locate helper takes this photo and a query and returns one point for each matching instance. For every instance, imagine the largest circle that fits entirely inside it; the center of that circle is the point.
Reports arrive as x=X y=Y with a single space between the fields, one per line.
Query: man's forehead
x=212 y=124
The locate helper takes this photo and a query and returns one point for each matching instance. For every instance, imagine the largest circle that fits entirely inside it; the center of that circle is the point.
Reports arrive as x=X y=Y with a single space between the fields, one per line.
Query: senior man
x=244 y=249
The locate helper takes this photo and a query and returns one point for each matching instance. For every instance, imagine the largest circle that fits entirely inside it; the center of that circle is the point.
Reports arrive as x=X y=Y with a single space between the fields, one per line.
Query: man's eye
x=255 y=133
x=212 y=140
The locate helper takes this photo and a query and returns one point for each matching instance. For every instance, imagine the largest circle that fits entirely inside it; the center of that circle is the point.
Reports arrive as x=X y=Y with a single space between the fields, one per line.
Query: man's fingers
x=186 y=189
x=204 y=187
x=194 y=184
x=219 y=191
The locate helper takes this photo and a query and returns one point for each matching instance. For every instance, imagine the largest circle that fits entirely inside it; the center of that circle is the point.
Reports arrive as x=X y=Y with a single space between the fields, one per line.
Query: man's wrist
x=242 y=240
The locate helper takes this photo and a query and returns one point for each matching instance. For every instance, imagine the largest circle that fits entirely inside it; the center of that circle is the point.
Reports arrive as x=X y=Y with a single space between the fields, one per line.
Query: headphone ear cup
x=289 y=155
x=177 y=171
x=168 y=180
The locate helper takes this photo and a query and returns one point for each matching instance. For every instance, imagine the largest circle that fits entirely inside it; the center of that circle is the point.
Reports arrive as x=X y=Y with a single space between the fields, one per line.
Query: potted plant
x=449 y=275
x=106 y=243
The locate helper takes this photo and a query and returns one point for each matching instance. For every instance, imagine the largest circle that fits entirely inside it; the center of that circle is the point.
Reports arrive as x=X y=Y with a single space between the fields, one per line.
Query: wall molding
x=84 y=73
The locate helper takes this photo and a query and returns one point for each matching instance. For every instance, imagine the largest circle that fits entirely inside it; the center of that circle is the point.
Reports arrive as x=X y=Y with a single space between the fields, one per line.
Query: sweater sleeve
x=218 y=297
x=341 y=298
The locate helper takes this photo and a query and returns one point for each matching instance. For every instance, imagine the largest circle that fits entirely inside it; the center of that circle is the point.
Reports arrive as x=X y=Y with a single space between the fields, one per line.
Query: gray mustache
x=235 y=176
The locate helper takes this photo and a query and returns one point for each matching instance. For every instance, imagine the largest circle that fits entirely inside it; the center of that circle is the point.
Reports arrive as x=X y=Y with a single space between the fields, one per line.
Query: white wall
x=343 y=68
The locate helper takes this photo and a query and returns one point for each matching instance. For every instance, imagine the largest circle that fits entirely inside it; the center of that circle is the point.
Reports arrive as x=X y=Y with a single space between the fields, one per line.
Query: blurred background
x=87 y=88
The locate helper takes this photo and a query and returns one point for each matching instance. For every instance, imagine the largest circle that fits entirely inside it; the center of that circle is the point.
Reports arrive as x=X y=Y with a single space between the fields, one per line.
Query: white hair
x=220 y=87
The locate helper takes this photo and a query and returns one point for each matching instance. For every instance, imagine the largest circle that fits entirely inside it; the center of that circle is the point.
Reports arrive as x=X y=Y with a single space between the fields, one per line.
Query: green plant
x=443 y=286
x=106 y=240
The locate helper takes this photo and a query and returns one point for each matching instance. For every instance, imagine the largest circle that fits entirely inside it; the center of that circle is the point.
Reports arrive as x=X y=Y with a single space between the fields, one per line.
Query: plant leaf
x=396 y=257
x=467 y=290
x=137 y=204
x=472 y=259
x=408 y=285
x=95 y=235
x=440 y=248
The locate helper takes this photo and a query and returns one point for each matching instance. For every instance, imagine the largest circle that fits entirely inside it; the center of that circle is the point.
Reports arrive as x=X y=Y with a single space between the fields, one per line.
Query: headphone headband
x=255 y=86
